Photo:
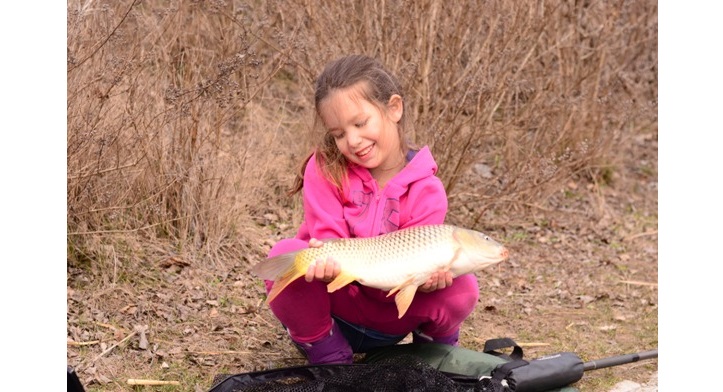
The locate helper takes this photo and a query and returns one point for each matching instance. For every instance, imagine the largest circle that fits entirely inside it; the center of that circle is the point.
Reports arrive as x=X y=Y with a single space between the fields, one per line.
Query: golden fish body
x=399 y=261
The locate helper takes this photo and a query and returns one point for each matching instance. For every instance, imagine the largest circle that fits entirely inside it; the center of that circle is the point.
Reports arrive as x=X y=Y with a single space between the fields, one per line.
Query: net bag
x=400 y=373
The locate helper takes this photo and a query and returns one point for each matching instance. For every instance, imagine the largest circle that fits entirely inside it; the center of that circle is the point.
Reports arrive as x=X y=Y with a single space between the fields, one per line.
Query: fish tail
x=282 y=269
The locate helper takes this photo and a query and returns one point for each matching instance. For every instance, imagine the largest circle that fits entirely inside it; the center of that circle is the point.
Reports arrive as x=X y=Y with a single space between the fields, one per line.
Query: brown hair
x=378 y=88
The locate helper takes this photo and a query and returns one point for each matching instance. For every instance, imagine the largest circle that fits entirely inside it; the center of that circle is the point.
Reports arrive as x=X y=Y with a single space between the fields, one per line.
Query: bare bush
x=164 y=143
x=186 y=118
x=537 y=91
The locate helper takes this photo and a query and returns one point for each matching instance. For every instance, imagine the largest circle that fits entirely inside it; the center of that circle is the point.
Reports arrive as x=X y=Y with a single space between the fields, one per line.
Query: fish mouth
x=504 y=254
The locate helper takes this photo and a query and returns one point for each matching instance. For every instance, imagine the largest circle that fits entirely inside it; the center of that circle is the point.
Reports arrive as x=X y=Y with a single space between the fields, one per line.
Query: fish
x=398 y=261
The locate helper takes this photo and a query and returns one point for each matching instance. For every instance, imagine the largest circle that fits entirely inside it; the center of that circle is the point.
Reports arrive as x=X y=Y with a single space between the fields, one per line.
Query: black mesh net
x=401 y=373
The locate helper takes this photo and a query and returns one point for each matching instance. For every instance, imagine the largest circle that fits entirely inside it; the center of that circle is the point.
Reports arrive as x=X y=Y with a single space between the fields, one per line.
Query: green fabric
x=446 y=358
x=442 y=357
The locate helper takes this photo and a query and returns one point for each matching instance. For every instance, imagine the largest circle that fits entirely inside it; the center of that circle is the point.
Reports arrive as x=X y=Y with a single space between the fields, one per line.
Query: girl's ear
x=395 y=108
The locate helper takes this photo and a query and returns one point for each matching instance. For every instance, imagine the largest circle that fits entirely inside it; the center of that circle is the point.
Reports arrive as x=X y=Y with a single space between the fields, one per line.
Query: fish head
x=480 y=249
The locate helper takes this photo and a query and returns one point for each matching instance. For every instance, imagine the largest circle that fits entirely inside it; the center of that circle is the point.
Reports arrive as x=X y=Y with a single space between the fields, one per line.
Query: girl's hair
x=378 y=88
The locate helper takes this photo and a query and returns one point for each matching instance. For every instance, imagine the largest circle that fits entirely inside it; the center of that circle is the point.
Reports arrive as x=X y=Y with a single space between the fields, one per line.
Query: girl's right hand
x=324 y=270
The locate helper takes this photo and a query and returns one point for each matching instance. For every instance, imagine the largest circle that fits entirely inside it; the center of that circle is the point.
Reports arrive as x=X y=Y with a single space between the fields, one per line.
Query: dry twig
x=219 y=352
x=109 y=349
x=78 y=344
x=137 y=381
x=639 y=283
x=643 y=234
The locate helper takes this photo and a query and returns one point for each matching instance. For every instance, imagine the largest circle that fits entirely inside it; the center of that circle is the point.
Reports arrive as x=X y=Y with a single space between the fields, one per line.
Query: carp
x=398 y=262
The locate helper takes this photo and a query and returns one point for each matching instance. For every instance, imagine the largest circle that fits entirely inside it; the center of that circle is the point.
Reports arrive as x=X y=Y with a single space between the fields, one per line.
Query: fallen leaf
x=143 y=343
x=129 y=309
x=174 y=261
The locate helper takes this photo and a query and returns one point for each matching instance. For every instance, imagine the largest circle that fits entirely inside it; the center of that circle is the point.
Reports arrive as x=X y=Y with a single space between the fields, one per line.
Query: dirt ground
x=582 y=277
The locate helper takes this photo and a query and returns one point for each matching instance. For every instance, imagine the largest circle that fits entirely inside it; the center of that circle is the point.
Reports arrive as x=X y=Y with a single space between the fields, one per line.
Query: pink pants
x=306 y=308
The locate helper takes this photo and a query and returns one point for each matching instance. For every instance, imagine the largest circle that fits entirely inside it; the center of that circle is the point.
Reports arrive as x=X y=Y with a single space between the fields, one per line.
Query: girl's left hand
x=323 y=270
x=437 y=281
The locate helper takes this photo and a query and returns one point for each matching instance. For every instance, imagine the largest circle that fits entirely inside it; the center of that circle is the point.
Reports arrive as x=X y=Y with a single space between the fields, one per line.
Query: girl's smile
x=365 y=151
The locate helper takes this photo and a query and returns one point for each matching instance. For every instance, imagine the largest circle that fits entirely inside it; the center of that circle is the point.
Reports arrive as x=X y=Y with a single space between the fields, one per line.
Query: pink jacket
x=415 y=196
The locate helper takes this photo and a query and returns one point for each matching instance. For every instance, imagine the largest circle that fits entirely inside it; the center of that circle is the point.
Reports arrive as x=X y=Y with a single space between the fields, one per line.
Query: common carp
x=399 y=261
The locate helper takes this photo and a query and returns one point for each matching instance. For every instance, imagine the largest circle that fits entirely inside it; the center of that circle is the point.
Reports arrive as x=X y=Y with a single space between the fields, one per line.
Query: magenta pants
x=305 y=309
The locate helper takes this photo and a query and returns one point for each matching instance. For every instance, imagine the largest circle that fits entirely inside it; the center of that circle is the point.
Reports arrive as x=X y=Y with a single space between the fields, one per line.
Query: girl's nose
x=353 y=138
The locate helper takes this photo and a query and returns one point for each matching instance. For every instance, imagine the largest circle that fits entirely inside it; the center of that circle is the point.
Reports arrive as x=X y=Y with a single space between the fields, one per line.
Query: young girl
x=364 y=180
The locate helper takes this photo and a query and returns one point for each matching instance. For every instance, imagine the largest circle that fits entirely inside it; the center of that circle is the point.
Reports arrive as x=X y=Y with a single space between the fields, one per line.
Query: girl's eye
x=361 y=124
x=337 y=134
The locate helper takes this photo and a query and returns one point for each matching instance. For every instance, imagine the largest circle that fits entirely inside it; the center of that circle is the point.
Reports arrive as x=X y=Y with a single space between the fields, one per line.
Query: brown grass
x=186 y=120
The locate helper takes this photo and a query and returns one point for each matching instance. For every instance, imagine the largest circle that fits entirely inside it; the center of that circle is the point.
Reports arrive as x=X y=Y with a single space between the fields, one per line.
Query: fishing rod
x=552 y=371
x=619 y=360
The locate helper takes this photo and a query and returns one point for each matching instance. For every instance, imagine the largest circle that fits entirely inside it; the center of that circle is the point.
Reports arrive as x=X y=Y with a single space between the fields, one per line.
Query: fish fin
x=282 y=269
x=404 y=298
x=340 y=281
x=284 y=280
x=273 y=267
x=394 y=290
x=401 y=286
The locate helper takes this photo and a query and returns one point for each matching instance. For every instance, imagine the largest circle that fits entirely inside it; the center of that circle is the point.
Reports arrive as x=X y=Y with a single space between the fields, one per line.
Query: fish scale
x=382 y=261
x=399 y=261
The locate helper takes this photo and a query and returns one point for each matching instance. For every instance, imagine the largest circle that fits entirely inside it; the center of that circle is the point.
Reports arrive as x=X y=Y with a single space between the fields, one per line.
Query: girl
x=364 y=180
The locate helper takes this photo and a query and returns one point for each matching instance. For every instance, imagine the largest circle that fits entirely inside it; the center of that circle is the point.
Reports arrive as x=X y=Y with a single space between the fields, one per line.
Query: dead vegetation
x=186 y=121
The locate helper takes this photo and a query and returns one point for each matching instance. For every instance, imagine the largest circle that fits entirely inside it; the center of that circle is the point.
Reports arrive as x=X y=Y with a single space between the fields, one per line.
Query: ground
x=582 y=277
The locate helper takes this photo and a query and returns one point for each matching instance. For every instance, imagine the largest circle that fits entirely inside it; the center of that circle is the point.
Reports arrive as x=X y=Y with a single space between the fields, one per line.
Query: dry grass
x=186 y=120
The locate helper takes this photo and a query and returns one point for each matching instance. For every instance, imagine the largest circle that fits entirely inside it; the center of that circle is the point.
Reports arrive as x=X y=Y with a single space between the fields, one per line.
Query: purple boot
x=452 y=340
x=333 y=348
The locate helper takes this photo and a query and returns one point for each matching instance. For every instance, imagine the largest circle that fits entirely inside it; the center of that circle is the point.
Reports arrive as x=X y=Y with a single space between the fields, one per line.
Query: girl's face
x=364 y=134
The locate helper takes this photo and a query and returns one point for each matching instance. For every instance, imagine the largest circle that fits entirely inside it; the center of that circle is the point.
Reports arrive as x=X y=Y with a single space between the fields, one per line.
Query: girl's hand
x=437 y=281
x=324 y=270
x=314 y=243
